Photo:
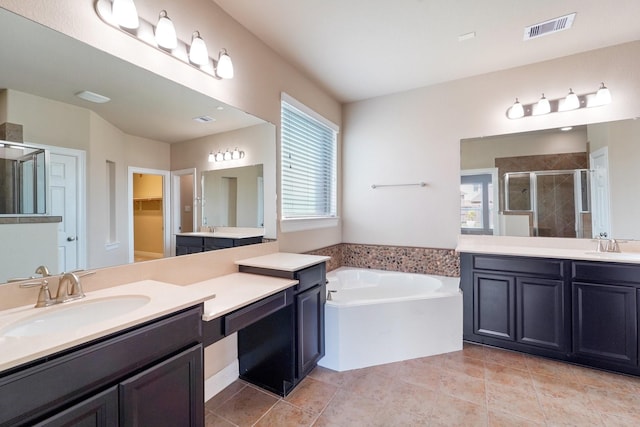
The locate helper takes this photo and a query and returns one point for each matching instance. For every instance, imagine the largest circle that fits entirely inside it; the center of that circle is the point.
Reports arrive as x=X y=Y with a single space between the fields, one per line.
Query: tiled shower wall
x=442 y=262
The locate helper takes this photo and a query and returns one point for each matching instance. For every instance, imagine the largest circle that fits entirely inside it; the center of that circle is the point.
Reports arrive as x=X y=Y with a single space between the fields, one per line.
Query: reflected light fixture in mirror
x=166 y=32
x=125 y=14
x=162 y=37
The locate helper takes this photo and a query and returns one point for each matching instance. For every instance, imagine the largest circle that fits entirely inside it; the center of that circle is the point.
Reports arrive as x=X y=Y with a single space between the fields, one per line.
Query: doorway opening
x=148 y=214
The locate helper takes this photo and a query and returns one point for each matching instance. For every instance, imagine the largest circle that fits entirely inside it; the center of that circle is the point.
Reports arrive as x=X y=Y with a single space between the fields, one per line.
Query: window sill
x=303 y=224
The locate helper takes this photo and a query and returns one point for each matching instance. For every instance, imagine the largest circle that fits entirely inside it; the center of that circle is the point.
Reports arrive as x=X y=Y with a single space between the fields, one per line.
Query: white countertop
x=224 y=234
x=164 y=299
x=578 y=249
x=220 y=295
x=283 y=261
x=237 y=290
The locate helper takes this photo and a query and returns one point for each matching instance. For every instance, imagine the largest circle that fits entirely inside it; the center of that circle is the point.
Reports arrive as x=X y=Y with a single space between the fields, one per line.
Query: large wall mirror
x=576 y=182
x=147 y=126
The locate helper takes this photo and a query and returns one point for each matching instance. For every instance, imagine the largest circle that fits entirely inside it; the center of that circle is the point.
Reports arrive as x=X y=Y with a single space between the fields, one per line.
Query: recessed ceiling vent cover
x=204 y=119
x=549 y=27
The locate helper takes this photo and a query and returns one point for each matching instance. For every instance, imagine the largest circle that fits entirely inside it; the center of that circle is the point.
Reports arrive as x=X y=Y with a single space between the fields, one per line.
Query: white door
x=184 y=203
x=63 y=192
x=600 y=204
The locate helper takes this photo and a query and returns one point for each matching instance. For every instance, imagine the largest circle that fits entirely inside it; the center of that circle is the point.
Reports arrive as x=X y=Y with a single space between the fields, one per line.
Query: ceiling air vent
x=204 y=119
x=548 y=27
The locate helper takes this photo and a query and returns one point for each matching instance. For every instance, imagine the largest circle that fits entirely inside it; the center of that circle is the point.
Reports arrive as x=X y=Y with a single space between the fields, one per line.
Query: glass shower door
x=555 y=204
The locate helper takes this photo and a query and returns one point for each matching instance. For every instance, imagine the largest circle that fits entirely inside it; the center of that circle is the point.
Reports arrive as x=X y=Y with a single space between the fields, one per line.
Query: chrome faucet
x=69 y=288
x=612 y=246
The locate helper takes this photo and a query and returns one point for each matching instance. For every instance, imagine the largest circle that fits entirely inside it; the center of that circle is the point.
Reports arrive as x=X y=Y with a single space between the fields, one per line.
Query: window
x=308 y=159
x=476 y=204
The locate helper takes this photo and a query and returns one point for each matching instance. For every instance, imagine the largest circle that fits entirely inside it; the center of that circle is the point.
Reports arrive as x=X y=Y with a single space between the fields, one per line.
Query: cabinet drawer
x=602 y=272
x=550 y=268
x=193 y=241
x=311 y=277
x=256 y=311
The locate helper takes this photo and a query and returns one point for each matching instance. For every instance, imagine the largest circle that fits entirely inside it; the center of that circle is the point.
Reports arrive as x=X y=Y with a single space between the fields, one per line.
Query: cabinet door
x=605 y=322
x=494 y=306
x=540 y=313
x=310 y=330
x=100 y=410
x=169 y=394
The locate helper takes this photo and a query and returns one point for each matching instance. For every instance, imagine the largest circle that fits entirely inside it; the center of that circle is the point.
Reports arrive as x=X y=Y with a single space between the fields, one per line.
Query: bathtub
x=378 y=317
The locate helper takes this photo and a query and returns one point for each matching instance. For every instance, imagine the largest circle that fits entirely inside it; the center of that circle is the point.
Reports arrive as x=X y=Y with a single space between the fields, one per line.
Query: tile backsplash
x=442 y=262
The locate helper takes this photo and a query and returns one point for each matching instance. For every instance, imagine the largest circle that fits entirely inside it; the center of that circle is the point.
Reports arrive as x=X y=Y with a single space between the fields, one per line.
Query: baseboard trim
x=218 y=382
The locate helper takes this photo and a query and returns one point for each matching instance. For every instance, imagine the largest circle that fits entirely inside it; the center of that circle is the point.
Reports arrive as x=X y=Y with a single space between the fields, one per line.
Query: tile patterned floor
x=478 y=386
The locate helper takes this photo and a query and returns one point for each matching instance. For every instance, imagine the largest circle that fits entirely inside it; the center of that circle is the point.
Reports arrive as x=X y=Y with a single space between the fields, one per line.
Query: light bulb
x=211 y=157
x=198 y=53
x=516 y=111
x=571 y=102
x=166 y=32
x=603 y=96
x=224 y=69
x=543 y=106
x=125 y=14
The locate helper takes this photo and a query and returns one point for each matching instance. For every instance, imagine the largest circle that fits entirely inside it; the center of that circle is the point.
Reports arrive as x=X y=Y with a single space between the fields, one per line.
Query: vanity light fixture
x=572 y=101
x=165 y=32
x=543 y=106
x=516 y=111
x=603 y=95
x=122 y=14
x=225 y=66
x=237 y=154
x=198 y=53
x=125 y=14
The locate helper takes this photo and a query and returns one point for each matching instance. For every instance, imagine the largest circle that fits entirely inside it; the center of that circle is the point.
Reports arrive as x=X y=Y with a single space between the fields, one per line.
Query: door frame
x=175 y=203
x=81 y=196
x=166 y=211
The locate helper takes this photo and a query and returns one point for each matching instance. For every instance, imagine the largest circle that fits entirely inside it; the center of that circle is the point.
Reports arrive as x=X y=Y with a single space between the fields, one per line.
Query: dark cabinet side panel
x=494 y=305
x=310 y=334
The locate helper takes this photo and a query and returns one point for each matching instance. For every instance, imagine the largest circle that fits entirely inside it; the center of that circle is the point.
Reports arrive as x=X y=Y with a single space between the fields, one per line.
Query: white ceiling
x=359 y=49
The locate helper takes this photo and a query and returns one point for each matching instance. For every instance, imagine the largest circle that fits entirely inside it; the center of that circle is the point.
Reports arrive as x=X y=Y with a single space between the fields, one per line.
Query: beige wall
x=415 y=136
x=261 y=74
x=18 y=246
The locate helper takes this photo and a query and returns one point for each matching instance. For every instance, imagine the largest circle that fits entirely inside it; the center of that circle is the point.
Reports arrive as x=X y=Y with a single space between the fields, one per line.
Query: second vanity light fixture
x=227 y=155
x=123 y=15
x=571 y=102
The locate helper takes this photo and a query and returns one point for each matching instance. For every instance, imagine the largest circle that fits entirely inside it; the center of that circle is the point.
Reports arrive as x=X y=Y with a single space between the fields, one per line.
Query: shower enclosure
x=556 y=202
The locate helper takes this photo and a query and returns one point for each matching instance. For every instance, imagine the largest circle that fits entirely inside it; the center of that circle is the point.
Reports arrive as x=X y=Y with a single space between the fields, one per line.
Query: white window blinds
x=308 y=162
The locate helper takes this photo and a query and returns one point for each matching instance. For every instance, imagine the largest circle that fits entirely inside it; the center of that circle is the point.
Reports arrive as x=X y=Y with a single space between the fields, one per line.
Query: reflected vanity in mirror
x=148 y=125
x=571 y=182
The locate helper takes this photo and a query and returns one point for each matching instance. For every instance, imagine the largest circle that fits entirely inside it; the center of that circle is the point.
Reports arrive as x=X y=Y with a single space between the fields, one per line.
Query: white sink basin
x=59 y=319
x=616 y=256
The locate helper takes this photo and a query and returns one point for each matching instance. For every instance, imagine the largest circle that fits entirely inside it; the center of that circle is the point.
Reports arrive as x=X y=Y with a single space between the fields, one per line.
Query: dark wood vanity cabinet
x=279 y=350
x=517 y=303
x=605 y=314
x=581 y=311
x=148 y=375
x=193 y=244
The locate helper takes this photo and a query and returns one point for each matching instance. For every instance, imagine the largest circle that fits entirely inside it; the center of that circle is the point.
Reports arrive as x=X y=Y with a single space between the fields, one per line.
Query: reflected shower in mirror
x=573 y=182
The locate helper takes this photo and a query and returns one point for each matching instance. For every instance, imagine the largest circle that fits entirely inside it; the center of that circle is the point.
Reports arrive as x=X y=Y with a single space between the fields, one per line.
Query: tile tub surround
x=441 y=262
x=476 y=386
